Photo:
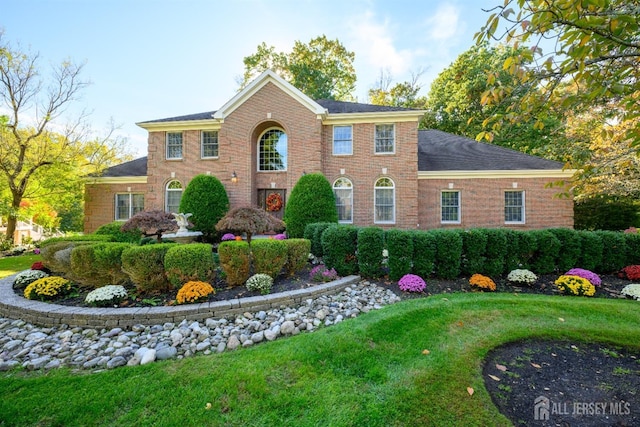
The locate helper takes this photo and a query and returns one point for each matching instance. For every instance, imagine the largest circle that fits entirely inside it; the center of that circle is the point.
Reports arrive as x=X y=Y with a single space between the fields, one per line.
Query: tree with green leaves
x=455 y=103
x=28 y=148
x=311 y=200
x=594 y=44
x=321 y=69
x=206 y=198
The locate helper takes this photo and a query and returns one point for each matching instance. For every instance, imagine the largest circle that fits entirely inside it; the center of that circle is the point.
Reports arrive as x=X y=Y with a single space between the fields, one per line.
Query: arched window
x=384 y=201
x=343 y=190
x=173 y=195
x=272 y=151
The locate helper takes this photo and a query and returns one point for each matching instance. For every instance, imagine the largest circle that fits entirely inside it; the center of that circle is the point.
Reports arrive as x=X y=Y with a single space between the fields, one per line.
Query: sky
x=151 y=59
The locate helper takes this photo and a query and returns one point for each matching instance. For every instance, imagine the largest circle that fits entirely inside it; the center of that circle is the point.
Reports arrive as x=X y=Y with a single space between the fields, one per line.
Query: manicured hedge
x=495 y=256
x=424 y=253
x=313 y=232
x=474 y=247
x=113 y=229
x=614 y=253
x=108 y=262
x=339 y=248
x=547 y=250
x=400 y=247
x=448 y=253
x=235 y=261
x=571 y=245
x=145 y=266
x=190 y=262
x=591 y=252
x=370 y=246
x=297 y=255
x=269 y=256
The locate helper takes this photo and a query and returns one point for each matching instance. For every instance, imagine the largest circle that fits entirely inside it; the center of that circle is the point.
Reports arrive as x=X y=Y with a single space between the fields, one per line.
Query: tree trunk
x=12 y=219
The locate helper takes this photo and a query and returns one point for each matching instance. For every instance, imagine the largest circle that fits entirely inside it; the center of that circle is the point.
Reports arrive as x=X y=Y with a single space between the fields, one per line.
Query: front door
x=272 y=200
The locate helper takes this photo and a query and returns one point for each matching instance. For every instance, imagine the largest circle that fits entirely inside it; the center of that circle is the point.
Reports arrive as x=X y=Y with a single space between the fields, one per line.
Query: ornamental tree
x=311 y=200
x=206 y=198
x=595 y=45
x=151 y=223
x=249 y=220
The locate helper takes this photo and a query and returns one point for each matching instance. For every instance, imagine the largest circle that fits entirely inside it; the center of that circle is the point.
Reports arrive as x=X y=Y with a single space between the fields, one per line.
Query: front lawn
x=368 y=371
x=15 y=264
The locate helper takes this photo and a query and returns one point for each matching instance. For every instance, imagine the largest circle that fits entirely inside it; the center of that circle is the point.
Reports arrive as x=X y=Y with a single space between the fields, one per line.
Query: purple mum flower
x=585 y=274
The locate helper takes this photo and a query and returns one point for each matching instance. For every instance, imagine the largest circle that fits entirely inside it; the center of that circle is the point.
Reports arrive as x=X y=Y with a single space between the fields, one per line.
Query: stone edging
x=40 y=313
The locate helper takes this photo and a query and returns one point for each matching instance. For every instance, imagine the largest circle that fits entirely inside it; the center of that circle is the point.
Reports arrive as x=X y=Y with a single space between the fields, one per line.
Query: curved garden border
x=40 y=313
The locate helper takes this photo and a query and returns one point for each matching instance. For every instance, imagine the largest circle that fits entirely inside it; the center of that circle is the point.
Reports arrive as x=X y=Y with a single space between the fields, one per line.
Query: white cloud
x=445 y=23
x=374 y=43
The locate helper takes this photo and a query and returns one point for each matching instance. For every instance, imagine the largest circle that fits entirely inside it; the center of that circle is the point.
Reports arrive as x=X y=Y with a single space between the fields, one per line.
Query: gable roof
x=442 y=151
x=258 y=83
x=341 y=107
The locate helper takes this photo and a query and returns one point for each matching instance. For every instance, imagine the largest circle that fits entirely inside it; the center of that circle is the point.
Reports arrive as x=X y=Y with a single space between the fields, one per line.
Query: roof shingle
x=442 y=151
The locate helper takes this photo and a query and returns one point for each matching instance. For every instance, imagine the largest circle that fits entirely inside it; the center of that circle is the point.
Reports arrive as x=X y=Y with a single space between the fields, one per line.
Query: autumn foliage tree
x=250 y=221
x=151 y=223
x=593 y=44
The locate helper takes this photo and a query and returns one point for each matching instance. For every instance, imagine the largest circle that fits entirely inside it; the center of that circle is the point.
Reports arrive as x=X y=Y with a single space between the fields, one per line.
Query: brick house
x=384 y=171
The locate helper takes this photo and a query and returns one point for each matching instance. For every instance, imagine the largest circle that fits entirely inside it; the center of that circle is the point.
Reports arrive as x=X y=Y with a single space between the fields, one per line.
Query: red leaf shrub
x=632 y=272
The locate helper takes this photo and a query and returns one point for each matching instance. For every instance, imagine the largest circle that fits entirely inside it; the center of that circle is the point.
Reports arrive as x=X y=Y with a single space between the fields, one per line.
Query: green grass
x=14 y=264
x=369 y=371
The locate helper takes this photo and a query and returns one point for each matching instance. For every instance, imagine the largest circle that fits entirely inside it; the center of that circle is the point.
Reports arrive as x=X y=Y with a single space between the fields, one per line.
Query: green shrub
x=189 y=262
x=314 y=232
x=521 y=246
x=85 y=238
x=297 y=255
x=113 y=229
x=145 y=267
x=495 y=256
x=474 y=246
x=606 y=213
x=108 y=262
x=614 y=251
x=424 y=253
x=206 y=198
x=546 y=254
x=311 y=200
x=269 y=256
x=370 y=244
x=235 y=261
x=400 y=247
x=632 y=241
x=339 y=249
x=571 y=246
x=591 y=252
x=82 y=266
x=448 y=253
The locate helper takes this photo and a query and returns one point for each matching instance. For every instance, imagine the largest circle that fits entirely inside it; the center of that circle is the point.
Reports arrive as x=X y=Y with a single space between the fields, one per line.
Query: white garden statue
x=183 y=221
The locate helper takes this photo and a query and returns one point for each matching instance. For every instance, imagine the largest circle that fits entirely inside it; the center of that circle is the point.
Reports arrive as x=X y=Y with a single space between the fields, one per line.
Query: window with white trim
x=385 y=140
x=450 y=207
x=174 y=145
x=342 y=140
x=127 y=205
x=173 y=194
x=272 y=151
x=343 y=191
x=514 y=207
x=209 y=144
x=384 y=201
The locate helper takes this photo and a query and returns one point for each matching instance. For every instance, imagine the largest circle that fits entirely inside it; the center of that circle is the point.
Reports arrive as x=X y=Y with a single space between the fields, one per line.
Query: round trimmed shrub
x=235 y=261
x=269 y=256
x=114 y=230
x=297 y=255
x=145 y=266
x=190 y=262
x=311 y=200
x=339 y=248
x=370 y=246
x=206 y=198
x=400 y=247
